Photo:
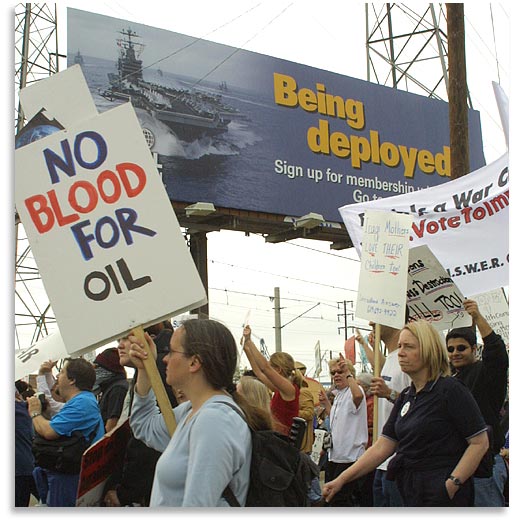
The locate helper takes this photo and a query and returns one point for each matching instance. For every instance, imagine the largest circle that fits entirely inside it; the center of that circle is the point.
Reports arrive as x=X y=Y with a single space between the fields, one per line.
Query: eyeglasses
x=336 y=372
x=460 y=348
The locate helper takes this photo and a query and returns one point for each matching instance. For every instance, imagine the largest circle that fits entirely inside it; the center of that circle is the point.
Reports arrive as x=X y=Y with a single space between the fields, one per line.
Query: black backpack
x=280 y=475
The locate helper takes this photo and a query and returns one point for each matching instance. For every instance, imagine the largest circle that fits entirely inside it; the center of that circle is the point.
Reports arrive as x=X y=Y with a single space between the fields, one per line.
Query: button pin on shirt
x=405 y=409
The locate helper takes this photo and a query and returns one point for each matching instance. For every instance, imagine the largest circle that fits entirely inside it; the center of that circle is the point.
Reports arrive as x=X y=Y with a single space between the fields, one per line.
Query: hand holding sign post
x=383 y=277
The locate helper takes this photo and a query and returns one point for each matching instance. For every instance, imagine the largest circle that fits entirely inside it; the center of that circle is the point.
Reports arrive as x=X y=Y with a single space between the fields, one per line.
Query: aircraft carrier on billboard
x=189 y=113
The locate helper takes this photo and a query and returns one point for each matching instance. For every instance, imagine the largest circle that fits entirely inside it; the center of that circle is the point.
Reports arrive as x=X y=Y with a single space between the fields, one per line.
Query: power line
x=321 y=251
x=283 y=276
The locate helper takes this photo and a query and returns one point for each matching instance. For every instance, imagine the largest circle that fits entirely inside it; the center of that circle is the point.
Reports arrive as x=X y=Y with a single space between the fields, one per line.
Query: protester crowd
x=442 y=431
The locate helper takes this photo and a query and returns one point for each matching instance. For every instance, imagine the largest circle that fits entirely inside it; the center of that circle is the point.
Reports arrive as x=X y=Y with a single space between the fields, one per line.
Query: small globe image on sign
x=34 y=134
x=37 y=128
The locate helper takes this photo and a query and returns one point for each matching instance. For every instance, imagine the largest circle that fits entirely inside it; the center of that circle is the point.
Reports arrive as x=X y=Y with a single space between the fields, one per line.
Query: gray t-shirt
x=205 y=454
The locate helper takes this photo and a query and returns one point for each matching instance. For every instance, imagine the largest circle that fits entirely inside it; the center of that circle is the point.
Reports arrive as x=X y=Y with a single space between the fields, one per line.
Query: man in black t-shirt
x=487 y=381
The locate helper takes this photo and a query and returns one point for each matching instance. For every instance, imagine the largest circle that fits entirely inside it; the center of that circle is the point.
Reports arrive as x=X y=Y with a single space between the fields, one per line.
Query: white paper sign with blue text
x=384 y=264
x=102 y=229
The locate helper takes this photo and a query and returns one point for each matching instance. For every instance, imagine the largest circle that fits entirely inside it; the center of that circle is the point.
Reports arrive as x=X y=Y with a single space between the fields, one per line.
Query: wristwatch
x=392 y=397
x=457 y=481
x=35 y=414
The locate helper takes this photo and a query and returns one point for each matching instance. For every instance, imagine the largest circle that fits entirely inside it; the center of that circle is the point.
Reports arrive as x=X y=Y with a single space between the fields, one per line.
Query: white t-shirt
x=395 y=379
x=349 y=427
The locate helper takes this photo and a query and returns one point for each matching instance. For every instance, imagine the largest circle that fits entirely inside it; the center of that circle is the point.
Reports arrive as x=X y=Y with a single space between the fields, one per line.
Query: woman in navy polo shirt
x=435 y=428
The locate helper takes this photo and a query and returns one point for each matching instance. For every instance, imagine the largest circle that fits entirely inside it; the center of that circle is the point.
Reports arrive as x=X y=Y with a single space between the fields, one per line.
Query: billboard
x=251 y=132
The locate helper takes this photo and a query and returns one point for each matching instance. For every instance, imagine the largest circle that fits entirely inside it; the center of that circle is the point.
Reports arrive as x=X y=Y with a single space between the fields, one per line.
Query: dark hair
x=216 y=347
x=467 y=333
x=82 y=372
x=168 y=325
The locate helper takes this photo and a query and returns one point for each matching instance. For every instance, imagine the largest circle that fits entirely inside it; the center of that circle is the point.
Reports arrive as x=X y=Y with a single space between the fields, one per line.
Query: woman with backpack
x=211 y=447
x=280 y=376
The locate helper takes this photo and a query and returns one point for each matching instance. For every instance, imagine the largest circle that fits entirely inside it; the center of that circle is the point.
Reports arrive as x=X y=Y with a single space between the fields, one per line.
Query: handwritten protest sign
x=103 y=231
x=495 y=309
x=384 y=263
x=432 y=294
x=454 y=219
x=99 y=462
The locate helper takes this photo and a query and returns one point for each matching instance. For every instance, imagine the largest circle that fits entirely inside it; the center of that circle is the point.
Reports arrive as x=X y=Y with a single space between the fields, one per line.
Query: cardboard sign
x=104 y=234
x=28 y=361
x=64 y=96
x=495 y=309
x=384 y=263
x=432 y=294
x=99 y=462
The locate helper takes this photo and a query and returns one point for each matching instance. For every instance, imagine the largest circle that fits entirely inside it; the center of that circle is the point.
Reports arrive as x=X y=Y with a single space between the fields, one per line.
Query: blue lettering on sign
x=125 y=223
x=65 y=162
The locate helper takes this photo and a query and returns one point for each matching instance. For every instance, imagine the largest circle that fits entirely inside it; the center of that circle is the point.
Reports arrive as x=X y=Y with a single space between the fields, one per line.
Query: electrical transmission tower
x=36 y=57
x=407 y=48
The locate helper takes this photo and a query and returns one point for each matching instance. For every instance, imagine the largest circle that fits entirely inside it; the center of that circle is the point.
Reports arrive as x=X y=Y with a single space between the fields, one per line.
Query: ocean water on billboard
x=220 y=167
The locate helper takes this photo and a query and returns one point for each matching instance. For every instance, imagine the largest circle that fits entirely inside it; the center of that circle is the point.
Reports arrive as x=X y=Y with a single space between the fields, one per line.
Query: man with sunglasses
x=487 y=381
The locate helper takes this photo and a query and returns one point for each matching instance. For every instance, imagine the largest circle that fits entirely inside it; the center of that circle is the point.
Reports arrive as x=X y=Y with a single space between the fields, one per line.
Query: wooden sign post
x=376 y=373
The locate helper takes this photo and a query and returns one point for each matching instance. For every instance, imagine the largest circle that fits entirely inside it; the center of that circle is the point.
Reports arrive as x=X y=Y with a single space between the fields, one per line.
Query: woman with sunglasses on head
x=435 y=428
x=348 y=426
x=211 y=446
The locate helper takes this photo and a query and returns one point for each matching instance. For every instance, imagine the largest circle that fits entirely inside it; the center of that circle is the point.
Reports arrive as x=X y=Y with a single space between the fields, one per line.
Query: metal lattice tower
x=407 y=48
x=36 y=57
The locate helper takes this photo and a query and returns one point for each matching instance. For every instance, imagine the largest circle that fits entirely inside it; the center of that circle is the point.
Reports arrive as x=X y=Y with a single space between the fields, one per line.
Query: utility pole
x=457 y=91
x=345 y=315
x=278 y=326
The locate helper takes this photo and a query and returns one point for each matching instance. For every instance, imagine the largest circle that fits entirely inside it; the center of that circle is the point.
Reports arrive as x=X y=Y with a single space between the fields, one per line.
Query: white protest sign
x=64 y=96
x=495 y=309
x=503 y=108
x=317 y=356
x=431 y=293
x=454 y=219
x=27 y=361
x=317 y=446
x=384 y=263
x=102 y=229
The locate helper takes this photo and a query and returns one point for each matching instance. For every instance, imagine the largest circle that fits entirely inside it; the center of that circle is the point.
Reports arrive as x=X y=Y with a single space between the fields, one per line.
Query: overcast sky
x=329 y=35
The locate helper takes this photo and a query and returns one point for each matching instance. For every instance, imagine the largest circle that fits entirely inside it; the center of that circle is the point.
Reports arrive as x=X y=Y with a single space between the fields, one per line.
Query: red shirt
x=283 y=411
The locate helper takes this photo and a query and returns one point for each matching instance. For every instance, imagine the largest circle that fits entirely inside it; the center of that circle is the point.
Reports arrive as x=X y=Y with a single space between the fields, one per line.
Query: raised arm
x=478 y=319
x=263 y=370
x=369 y=349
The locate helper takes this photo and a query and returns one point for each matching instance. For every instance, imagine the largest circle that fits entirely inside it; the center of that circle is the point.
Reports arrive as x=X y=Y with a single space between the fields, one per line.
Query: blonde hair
x=255 y=392
x=256 y=399
x=335 y=361
x=285 y=362
x=433 y=353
